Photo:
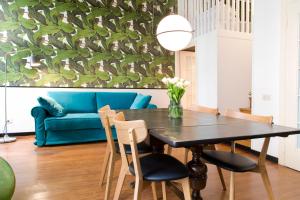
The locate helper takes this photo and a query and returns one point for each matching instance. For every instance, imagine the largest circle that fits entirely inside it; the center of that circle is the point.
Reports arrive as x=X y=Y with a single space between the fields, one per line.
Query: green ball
x=7 y=180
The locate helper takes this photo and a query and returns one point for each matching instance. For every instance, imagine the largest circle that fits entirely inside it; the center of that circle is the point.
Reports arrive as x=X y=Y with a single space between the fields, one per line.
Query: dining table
x=195 y=130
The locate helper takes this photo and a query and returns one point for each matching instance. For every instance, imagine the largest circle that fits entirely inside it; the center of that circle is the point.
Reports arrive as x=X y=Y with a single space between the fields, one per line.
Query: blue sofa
x=81 y=123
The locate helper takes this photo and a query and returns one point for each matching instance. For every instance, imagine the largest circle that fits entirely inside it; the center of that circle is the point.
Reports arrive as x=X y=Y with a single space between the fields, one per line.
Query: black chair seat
x=142 y=148
x=161 y=167
x=230 y=161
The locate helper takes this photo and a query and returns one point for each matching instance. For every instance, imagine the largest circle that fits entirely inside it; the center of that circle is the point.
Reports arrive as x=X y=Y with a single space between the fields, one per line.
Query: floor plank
x=72 y=172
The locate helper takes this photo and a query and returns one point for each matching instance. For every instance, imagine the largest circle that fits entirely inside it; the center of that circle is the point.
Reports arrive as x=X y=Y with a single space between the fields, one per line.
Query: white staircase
x=223 y=43
x=210 y=15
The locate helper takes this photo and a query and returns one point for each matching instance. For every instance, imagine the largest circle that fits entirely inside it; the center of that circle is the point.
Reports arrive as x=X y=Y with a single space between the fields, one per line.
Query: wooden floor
x=72 y=172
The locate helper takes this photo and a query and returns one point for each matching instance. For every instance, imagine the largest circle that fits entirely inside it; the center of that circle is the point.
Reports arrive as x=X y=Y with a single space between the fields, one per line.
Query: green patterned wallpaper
x=84 y=43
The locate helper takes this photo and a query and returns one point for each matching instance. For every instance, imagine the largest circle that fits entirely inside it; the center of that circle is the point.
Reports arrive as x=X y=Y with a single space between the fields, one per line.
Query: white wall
x=207 y=66
x=234 y=70
x=21 y=100
x=266 y=64
x=224 y=69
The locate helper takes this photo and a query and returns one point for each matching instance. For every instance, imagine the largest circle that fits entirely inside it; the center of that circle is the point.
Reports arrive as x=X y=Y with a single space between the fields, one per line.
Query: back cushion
x=116 y=100
x=76 y=102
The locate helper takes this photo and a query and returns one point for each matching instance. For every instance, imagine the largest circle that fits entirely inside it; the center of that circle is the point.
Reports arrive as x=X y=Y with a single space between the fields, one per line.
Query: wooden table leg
x=157 y=145
x=198 y=172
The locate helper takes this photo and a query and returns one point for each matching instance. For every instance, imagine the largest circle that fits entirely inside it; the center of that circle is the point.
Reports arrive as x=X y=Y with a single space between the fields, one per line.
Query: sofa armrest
x=39 y=114
x=151 y=106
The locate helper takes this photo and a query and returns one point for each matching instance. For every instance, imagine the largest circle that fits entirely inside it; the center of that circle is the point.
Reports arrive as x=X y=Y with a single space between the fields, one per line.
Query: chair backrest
x=123 y=127
x=204 y=109
x=132 y=133
x=246 y=116
x=255 y=118
x=107 y=119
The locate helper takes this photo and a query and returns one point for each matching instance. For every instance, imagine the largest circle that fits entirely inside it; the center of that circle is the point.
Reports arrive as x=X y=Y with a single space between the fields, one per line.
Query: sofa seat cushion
x=73 y=121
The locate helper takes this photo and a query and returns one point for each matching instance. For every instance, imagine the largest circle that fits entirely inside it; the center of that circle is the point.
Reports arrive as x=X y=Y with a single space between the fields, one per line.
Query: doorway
x=188 y=71
x=290 y=106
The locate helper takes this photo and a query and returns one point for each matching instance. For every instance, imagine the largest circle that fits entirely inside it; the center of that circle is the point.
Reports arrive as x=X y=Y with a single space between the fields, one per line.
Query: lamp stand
x=6 y=138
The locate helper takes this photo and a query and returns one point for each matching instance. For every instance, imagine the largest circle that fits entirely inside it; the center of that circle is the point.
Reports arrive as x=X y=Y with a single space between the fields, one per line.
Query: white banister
x=232 y=15
x=228 y=10
x=195 y=13
x=209 y=15
x=213 y=14
x=238 y=17
x=209 y=3
x=248 y=16
x=222 y=17
x=243 y=16
x=206 y=16
x=217 y=19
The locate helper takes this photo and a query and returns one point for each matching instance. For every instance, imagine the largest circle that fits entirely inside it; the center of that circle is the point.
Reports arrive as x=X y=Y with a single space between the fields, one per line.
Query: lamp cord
x=5 y=97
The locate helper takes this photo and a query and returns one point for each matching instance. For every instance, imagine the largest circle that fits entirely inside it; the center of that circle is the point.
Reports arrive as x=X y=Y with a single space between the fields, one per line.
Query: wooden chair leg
x=221 y=178
x=232 y=186
x=104 y=166
x=186 y=155
x=266 y=180
x=120 y=183
x=138 y=189
x=186 y=188
x=110 y=174
x=154 y=193
x=164 y=192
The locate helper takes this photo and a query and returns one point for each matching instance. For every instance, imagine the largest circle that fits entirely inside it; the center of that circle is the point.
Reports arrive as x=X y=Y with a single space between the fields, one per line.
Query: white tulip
x=186 y=83
x=179 y=84
x=182 y=81
x=165 y=80
x=175 y=79
x=172 y=81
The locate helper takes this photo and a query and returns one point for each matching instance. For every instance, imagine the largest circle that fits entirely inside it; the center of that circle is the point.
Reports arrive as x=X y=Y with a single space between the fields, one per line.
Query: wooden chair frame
x=131 y=133
x=111 y=156
x=261 y=166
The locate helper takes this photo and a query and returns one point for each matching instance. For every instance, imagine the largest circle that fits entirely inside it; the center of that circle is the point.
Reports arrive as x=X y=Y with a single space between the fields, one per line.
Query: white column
x=266 y=64
x=207 y=69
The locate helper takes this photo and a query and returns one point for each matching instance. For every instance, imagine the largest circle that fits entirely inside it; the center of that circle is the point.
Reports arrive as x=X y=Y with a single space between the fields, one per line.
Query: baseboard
x=19 y=134
x=248 y=149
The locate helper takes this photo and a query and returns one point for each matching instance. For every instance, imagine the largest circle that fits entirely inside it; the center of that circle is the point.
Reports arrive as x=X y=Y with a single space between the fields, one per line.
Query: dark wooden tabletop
x=202 y=128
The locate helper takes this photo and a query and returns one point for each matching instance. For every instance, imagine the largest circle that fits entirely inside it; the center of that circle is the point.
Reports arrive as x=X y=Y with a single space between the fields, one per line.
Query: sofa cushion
x=76 y=102
x=53 y=108
x=140 y=101
x=116 y=100
x=73 y=121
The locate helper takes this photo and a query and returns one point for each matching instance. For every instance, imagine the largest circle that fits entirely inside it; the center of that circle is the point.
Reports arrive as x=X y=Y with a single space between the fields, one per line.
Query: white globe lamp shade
x=174 y=32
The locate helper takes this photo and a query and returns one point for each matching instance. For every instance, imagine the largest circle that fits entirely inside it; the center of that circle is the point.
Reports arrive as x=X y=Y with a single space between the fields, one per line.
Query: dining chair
x=237 y=163
x=112 y=153
x=150 y=168
x=208 y=110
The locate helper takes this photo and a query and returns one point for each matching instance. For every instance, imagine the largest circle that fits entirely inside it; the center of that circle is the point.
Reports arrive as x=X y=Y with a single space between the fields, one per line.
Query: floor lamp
x=6 y=138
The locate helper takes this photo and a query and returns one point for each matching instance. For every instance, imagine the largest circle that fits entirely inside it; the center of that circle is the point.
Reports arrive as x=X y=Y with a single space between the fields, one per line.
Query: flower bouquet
x=176 y=88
